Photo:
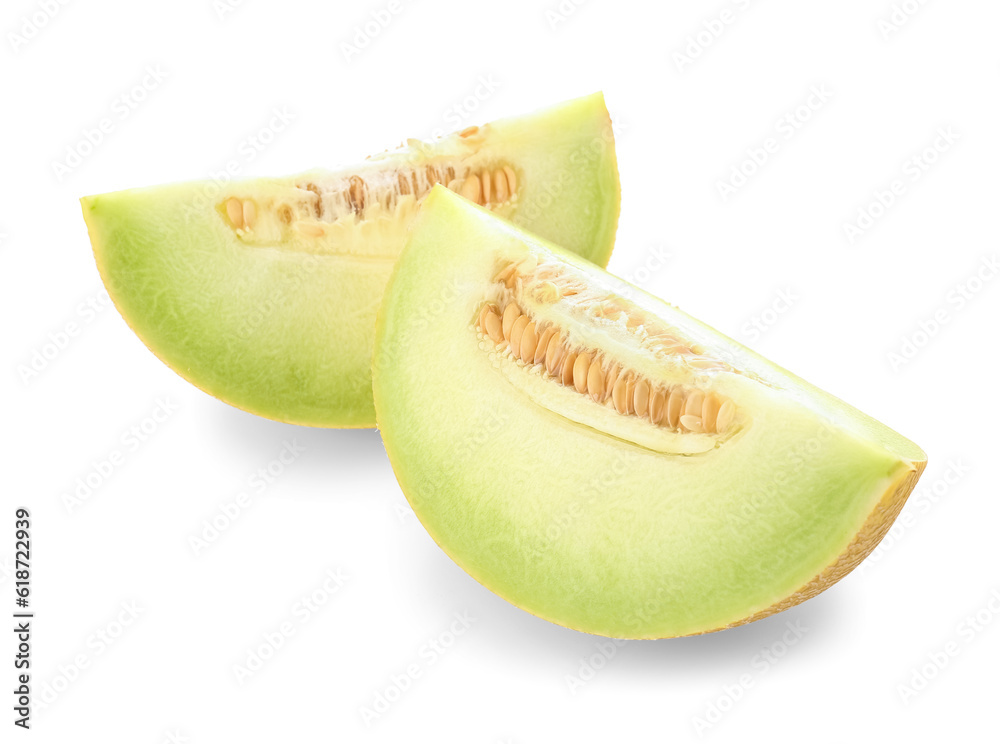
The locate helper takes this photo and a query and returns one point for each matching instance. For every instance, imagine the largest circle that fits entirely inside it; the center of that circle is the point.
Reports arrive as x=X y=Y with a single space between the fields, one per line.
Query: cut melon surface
x=601 y=459
x=264 y=292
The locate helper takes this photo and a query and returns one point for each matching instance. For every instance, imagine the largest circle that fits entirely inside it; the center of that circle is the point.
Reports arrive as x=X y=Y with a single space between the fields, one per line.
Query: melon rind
x=593 y=532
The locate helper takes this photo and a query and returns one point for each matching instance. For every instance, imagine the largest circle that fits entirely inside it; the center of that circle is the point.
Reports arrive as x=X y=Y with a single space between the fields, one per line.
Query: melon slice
x=264 y=292
x=603 y=460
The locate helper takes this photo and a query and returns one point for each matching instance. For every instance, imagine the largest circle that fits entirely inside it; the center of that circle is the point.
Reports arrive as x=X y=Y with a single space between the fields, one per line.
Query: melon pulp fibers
x=264 y=292
x=603 y=460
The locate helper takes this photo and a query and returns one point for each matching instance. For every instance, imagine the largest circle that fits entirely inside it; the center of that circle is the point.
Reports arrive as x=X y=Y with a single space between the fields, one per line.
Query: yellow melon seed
x=692 y=406
x=674 y=406
x=618 y=395
x=691 y=423
x=500 y=185
x=548 y=292
x=510 y=313
x=511 y=179
x=487 y=187
x=580 y=369
x=470 y=188
x=249 y=213
x=568 y=364
x=656 y=407
x=234 y=210
x=612 y=377
x=489 y=307
x=553 y=354
x=528 y=264
x=640 y=397
x=529 y=340
x=543 y=344
x=709 y=412
x=595 y=382
x=494 y=327
x=505 y=273
x=515 y=334
x=726 y=415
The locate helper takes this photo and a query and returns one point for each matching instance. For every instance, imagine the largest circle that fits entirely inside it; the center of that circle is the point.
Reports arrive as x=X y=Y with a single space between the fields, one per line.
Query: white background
x=682 y=128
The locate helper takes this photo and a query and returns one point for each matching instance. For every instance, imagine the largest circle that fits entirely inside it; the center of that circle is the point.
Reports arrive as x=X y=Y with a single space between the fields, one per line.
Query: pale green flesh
x=585 y=529
x=284 y=327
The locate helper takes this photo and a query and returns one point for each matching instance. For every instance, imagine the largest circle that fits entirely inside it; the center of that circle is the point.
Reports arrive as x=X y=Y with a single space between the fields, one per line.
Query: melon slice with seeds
x=264 y=292
x=603 y=460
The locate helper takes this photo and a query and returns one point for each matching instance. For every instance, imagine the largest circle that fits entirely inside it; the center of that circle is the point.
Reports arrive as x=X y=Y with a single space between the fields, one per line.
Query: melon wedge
x=264 y=292
x=603 y=460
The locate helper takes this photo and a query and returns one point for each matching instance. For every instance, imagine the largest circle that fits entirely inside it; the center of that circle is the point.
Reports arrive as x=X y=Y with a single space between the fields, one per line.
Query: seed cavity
x=683 y=408
x=376 y=195
x=489 y=187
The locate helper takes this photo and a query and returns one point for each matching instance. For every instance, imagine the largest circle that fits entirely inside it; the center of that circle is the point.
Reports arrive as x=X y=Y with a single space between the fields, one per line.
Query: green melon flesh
x=597 y=521
x=279 y=319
